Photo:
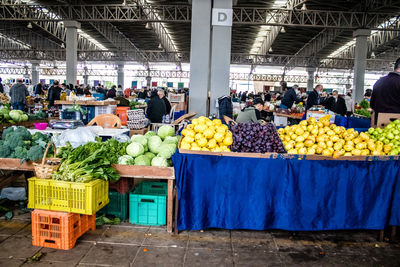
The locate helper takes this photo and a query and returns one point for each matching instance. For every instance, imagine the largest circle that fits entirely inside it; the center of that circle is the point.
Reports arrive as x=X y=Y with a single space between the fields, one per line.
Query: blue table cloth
x=290 y=194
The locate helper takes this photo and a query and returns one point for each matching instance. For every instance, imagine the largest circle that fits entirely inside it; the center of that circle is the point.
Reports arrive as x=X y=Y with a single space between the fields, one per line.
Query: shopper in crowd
x=386 y=93
x=71 y=87
x=142 y=94
x=284 y=87
x=323 y=99
x=119 y=89
x=87 y=91
x=313 y=98
x=123 y=102
x=243 y=97
x=54 y=93
x=161 y=94
x=127 y=92
x=112 y=92
x=1 y=86
x=252 y=113
x=349 y=104
x=267 y=96
x=368 y=94
x=155 y=108
x=290 y=98
x=337 y=104
x=66 y=89
x=18 y=94
x=38 y=89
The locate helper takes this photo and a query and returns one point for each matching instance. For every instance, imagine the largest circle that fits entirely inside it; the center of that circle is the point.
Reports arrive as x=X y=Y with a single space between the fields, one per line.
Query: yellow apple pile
x=206 y=135
x=312 y=137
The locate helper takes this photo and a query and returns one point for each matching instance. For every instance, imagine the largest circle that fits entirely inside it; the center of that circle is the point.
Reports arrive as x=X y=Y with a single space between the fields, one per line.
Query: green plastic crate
x=118 y=205
x=148 y=204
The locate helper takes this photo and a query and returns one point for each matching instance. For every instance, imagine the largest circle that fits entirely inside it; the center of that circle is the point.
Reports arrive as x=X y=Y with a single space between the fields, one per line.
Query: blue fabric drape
x=297 y=195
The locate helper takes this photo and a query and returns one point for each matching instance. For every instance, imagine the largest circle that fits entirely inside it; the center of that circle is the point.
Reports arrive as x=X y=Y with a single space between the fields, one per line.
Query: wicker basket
x=135 y=115
x=136 y=125
x=47 y=166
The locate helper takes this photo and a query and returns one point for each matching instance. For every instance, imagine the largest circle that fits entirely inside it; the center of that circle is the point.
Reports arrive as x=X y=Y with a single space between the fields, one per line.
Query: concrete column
x=35 y=70
x=85 y=76
x=148 y=82
x=220 y=54
x=72 y=49
x=310 y=79
x=360 y=63
x=120 y=74
x=200 y=56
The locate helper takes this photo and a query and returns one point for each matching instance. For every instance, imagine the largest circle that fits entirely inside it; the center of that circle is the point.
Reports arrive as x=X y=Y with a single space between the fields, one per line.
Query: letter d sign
x=222 y=17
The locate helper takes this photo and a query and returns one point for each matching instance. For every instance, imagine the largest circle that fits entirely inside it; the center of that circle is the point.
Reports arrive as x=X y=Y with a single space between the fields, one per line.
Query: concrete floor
x=128 y=245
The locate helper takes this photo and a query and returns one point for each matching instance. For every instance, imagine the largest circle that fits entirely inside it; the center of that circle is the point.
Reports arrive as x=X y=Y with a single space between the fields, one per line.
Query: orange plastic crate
x=59 y=230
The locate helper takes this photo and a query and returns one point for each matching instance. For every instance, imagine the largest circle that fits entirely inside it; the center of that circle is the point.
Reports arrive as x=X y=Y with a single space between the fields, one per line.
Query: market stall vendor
x=289 y=98
x=313 y=97
x=336 y=104
x=252 y=113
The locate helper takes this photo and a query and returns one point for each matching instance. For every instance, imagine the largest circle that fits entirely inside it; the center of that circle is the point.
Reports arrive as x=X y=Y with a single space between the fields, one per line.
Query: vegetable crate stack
x=66 y=200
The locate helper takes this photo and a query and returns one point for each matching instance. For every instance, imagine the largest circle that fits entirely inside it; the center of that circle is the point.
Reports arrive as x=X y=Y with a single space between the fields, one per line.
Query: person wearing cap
x=251 y=113
x=18 y=94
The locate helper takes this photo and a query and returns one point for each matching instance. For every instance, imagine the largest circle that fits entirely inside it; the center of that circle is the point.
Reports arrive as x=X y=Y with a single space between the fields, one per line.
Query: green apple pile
x=390 y=135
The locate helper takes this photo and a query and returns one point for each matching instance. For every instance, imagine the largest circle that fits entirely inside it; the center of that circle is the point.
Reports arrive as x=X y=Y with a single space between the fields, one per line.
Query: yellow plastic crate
x=82 y=198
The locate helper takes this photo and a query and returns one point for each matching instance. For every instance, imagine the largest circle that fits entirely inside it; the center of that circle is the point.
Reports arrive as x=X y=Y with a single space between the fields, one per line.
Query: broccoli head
x=14 y=140
x=24 y=133
x=35 y=153
x=5 y=151
x=39 y=136
x=20 y=152
x=7 y=131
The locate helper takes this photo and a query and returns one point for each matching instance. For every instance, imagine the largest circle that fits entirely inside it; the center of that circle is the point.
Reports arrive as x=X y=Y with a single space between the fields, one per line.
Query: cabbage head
x=134 y=149
x=149 y=155
x=166 y=151
x=159 y=162
x=141 y=140
x=171 y=140
x=15 y=115
x=142 y=161
x=126 y=160
x=149 y=134
x=166 y=130
x=154 y=144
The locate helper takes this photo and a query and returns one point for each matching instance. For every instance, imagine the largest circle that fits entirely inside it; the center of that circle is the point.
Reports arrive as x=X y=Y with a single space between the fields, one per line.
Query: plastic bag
x=13 y=193
x=77 y=137
x=122 y=138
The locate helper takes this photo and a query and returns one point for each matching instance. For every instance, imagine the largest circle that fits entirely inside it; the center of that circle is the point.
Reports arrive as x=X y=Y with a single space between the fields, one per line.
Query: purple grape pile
x=257 y=138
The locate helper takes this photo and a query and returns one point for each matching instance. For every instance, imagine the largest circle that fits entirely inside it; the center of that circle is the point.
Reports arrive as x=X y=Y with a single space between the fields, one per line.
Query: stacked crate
x=64 y=211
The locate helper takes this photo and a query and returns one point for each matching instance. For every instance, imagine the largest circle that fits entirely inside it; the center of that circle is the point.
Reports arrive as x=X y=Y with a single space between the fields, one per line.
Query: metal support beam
x=35 y=70
x=72 y=50
x=120 y=73
x=360 y=63
x=310 y=78
x=200 y=56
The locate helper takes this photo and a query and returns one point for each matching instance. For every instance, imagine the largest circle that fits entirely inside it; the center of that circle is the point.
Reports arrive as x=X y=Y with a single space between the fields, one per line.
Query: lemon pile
x=312 y=137
x=206 y=135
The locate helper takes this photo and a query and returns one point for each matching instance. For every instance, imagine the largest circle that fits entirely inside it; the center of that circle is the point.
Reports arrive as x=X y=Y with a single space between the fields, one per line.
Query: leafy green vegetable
x=166 y=130
x=135 y=149
x=159 y=162
x=154 y=144
x=364 y=104
x=363 y=112
x=126 y=160
x=142 y=161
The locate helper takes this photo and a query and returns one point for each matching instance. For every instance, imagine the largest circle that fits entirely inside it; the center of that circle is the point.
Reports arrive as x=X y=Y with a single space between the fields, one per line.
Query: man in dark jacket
x=161 y=94
x=313 y=97
x=289 y=98
x=337 y=104
x=18 y=94
x=54 y=93
x=1 y=86
x=155 y=108
x=386 y=93
x=39 y=88
x=112 y=92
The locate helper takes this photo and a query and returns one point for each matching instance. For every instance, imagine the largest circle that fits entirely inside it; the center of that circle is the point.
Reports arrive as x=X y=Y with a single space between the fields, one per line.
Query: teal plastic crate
x=148 y=204
x=118 y=205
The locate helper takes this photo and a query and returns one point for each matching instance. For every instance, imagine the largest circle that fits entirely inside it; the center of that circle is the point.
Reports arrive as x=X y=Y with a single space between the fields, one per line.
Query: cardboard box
x=141 y=131
x=384 y=119
x=176 y=98
x=180 y=106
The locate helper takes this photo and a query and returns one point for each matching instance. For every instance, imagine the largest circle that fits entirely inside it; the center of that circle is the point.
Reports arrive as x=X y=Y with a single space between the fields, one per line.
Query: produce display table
x=281 y=193
x=106 y=132
x=87 y=103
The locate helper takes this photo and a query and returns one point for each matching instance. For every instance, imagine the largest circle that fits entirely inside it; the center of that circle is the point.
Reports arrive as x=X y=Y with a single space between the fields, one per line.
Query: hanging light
x=148 y=26
x=283 y=30
x=160 y=46
x=304 y=7
x=270 y=50
x=29 y=25
x=372 y=54
x=62 y=45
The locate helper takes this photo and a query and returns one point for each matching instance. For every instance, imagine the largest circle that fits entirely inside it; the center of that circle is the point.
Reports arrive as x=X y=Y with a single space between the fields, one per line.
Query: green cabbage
x=154 y=144
x=149 y=134
x=167 y=150
x=142 y=161
x=171 y=140
x=24 y=117
x=4 y=111
x=159 y=162
x=15 y=115
x=149 y=155
x=126 y=160
x=141 y=140
x=134 y=149
x=166 y=130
